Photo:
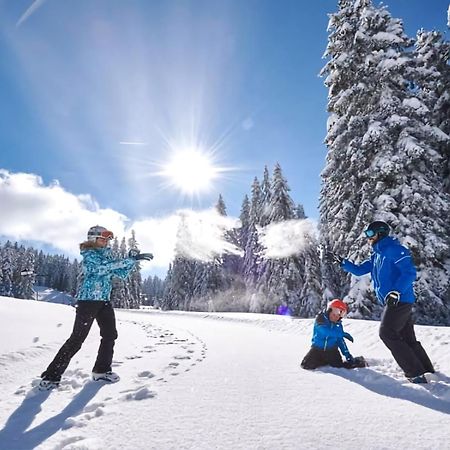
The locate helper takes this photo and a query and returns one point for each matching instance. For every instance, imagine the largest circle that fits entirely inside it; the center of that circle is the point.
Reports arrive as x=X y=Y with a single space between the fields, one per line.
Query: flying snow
x=284 y=239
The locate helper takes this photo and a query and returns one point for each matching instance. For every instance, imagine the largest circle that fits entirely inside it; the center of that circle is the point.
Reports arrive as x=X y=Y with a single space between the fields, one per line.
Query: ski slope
x=213 y=381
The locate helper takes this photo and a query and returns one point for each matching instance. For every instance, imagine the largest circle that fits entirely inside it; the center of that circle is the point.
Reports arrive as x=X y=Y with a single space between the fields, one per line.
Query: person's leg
x=393 y=321
x=85 y=314
x=409 y=337
x=313 y=359
x=107 y=322
x=334 y=358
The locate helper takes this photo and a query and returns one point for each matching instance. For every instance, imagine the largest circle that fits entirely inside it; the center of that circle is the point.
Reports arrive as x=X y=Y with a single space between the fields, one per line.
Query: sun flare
x=191 y=170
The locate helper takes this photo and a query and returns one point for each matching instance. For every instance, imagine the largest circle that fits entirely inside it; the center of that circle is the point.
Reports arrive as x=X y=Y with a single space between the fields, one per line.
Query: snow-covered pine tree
x=166 y=301
x=300 y=212
x=134 y=280
x=252 y=248
x=383 y=161
x=7 y=268
x=153 y=290
x=432 y=79
x=120 y=294
x=310 y=299
x=179 y=282
x=266 y=198
x=25 y=267
x=279 y=280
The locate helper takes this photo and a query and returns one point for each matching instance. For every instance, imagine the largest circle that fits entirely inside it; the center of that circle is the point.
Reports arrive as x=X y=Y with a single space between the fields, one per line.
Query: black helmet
x=377 y=227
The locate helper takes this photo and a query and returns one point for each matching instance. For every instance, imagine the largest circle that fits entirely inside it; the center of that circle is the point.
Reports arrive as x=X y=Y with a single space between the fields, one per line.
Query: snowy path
x=198 y=382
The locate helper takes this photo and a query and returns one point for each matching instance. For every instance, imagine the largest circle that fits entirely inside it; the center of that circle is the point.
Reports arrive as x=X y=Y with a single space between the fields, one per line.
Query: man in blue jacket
x=393 y=273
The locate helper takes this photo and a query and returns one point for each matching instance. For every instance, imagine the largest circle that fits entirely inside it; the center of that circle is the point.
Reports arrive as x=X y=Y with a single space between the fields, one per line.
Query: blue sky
x=80 y=81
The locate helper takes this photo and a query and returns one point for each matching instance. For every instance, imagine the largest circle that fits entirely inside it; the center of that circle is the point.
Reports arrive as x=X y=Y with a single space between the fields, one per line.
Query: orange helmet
x=339 y=304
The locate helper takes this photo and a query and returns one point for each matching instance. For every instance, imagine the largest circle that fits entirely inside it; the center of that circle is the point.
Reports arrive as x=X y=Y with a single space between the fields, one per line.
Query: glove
x=348 y=336
x=392 y=298
x=146 y=256
x=349 y=358
x=133 y=252
x=336 y=259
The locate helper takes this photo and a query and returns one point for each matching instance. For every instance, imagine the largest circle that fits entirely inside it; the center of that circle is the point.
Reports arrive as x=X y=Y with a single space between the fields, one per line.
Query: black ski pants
x=317 y=357
x=397 y=333
x=87 y=312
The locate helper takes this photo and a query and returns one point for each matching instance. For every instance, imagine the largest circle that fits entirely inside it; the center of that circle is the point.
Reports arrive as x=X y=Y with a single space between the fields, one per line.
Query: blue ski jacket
x=98 y=269
x=328 y=334
x=391 y=268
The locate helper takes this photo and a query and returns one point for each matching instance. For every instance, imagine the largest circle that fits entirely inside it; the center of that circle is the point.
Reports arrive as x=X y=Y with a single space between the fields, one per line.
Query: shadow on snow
x=426 y=395
x=14 y=435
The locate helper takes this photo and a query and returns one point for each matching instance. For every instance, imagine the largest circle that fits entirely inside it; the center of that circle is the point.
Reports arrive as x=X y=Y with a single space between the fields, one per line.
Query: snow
x=213 y=381
x=45 y=294
x=287 y=238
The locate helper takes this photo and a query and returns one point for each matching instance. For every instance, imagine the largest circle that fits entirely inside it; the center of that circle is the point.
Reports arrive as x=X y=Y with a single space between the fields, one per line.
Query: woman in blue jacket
x=98 y=269
x=328 y=339
x=393 y=273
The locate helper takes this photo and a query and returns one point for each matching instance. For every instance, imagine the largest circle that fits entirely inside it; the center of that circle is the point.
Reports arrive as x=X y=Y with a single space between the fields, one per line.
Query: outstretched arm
x=116 y=267
x=355 y=269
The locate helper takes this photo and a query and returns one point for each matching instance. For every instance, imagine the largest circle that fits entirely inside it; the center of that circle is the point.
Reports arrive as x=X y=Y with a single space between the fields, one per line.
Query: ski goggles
x=370 y=233
x=108 y=235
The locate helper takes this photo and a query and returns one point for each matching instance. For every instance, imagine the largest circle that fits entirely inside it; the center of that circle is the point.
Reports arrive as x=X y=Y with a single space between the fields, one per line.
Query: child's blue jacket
x=328 y=334
x=98 y=269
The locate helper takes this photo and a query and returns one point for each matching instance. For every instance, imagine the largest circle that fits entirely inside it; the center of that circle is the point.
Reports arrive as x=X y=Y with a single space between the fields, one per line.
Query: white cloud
x=31 y=210
x=288 y=238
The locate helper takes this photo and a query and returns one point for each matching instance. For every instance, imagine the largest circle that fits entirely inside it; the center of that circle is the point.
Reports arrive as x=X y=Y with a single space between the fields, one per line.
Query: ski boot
x=110 y=377
x=47 y=385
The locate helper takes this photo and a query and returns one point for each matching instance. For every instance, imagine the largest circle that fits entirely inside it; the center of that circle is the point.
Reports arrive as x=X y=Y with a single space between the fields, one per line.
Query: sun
x=191 y=170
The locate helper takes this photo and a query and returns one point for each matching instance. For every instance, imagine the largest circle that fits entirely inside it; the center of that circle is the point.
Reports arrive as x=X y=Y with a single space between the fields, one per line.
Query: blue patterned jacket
x=98 y=269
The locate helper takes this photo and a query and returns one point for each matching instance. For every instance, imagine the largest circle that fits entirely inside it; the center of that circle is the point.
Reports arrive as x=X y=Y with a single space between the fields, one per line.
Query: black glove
x=146 y=256
x=393 y=298
x=336 y=259
x=134 y=253
x=348 y=336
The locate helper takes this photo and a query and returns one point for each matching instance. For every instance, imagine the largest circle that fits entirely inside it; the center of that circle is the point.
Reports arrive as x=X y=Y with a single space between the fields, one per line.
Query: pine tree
x=134 y=280
x=279 y=280
x=7 y=267
x=252 y=248
x=432 y=78
x=383 y=160
x=120 y=293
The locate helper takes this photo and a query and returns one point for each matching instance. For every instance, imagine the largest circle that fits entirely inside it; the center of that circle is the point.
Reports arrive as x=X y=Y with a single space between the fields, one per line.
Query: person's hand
x=136 y=254
x=335 y=259
x=348 y=336
x=133 y=252
x=145 y=256
x=392 y=298
x=349 y=358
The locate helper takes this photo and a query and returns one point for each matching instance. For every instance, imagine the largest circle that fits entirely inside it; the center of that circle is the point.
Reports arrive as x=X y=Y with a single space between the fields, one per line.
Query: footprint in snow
x=145 y=374
x=140 y=394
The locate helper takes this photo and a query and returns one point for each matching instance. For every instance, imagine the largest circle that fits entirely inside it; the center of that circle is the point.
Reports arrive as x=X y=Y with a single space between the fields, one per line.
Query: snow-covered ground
x=213 y=381
x=45 y=294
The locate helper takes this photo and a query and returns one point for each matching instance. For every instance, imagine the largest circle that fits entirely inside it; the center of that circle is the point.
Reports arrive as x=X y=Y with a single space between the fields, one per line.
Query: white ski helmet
x=99 y=232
